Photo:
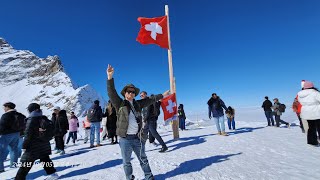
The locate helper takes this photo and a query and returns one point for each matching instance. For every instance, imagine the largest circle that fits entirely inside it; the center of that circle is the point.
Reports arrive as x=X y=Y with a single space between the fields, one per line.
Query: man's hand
x=166 y=93
x=110 y=72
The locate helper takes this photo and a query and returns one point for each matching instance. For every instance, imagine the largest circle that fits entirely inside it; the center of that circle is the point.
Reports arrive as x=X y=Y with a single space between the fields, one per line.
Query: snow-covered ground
x=253 y=151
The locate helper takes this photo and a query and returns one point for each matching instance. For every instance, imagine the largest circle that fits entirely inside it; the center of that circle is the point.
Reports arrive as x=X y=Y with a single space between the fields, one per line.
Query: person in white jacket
x=309 y=98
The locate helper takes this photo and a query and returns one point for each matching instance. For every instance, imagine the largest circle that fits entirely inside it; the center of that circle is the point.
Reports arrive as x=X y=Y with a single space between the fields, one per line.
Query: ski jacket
x=310 y=101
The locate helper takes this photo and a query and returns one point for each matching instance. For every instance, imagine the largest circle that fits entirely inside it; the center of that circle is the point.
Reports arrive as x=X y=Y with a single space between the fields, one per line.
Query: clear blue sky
x=242 y=50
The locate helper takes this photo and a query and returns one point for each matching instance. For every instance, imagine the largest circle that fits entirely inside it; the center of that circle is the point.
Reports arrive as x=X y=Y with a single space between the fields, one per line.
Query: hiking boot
x=224 y=134
x=53 y=176
x=1 y=171
x=219 y=133
x=98 y=145
x=114 y=142
x=163 y=149
x=132 y=177
x=91 y=146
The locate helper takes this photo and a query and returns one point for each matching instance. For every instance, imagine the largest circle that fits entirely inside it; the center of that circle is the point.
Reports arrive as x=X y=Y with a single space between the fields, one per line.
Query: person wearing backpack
x=277 y=110
x=150 y=116
x=182 y=117
x=309 y=98
x=266 y=105
x=215 y=105
x=61 y=127
x=36 y=145
x=94 y=116
x=129 y=124
x=10 y=134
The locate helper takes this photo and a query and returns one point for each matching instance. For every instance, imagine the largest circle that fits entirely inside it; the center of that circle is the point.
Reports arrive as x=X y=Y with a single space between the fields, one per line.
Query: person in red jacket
x=296 y=106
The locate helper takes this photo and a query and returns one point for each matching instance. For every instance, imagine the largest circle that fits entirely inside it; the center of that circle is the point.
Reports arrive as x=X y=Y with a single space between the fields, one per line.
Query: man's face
x=214 y=96
x=6 y=109
x=130 y=94
x=143 y=95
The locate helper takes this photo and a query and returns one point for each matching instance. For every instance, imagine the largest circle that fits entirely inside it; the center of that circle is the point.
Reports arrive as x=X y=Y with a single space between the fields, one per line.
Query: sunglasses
x=132 y=92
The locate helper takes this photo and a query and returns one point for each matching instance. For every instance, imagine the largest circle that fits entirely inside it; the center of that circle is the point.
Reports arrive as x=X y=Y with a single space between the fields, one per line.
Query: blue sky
x=242 y=50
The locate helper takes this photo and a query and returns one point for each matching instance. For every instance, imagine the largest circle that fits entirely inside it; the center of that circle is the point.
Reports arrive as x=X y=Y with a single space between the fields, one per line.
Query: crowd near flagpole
x=175 y=123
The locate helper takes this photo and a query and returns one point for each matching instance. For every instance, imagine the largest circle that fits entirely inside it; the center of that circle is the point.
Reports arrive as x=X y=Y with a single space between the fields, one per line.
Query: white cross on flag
x=169 y=107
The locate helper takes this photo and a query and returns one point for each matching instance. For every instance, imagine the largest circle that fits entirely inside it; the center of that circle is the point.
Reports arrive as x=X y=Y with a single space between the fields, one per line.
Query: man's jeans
x=11 y=141
x=219 y=123
x=129 y=144
x=269 y=118
x=153 y=133
x=95 y=130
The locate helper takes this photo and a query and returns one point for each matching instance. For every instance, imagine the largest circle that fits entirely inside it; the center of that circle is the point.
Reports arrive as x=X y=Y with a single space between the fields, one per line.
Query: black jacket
x=98 y=113
x=267 y=104
x=61 y=124
x=35 y=147
x=6 y=123
x=150 y=113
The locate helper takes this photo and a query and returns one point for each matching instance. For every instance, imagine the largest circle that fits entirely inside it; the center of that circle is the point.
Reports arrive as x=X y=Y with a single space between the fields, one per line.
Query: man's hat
x=123 y=92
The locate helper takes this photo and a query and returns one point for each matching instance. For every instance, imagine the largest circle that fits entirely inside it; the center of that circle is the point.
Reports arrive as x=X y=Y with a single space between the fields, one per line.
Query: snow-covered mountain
x=26 y=78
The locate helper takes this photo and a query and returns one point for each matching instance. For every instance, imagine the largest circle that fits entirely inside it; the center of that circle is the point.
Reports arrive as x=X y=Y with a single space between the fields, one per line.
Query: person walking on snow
x=61 y=127
x=129 y=124
x=95 y=117
x=215 y=105
x=309 y=98
x=111 y=125
x=230 y=113
x=267 y=104
x=73 y=128
x=278 y=113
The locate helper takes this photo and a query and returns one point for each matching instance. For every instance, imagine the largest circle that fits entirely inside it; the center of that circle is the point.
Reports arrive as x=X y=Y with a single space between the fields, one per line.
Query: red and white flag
x=169 y=107
x=154 y=31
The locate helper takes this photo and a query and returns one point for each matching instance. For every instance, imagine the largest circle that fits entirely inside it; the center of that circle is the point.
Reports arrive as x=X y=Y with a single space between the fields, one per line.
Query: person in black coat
x=111 y=123
x=267 y=104
x=35 y=148
x=61 y=127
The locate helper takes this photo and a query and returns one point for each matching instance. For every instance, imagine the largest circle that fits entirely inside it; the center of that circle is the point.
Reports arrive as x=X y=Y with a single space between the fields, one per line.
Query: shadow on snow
x=195 y=165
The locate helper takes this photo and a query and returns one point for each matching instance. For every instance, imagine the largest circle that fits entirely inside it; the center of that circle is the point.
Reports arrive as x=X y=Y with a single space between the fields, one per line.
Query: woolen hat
x=123 y=92
x=308 y=85
x=33 y=106
x=57 y=108
x=9 y=105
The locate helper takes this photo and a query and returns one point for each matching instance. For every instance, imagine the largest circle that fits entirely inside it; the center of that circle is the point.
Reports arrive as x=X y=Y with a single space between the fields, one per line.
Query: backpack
x=93 y=114
x=19 y=123
x=282 y=107
x=48 y=126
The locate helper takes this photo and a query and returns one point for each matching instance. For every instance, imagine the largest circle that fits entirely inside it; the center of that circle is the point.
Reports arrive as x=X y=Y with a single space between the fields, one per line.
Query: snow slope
x=251 y=152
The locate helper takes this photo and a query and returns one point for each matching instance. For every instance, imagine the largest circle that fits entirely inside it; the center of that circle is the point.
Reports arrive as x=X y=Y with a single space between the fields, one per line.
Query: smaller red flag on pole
x=169 y=107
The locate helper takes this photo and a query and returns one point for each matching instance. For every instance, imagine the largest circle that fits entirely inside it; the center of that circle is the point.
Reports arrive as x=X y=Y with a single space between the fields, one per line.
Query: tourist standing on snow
x=215 y=105
x=10 y=134
x=129 y=124
x=230 y=113
x=86 y=126
x=111 y=115
x=73 y=128
x=309 y=98
x=278 y=113
x=296 y=107
x=95 y=117
x=267 y=104
x=61 y=127
x=150 y=117
x=104 y=133
x=182 y=117
x=36 y=146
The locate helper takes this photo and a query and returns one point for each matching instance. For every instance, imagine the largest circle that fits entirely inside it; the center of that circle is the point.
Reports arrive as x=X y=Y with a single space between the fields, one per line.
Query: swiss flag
x=169 y=107
x=154 y=31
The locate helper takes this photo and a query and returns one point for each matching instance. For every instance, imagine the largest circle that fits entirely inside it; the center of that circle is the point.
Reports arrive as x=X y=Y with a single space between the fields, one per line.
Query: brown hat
x=123 y=92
